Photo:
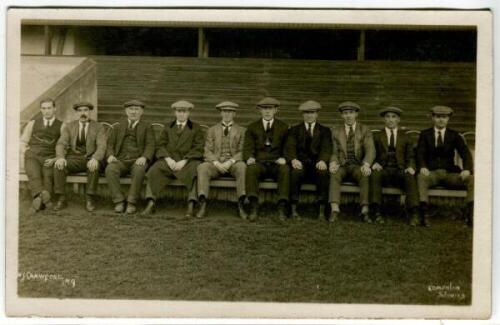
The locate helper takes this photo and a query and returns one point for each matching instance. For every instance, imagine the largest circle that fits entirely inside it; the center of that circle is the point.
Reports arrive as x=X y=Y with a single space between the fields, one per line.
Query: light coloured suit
x=213 y=152
x=364 y=151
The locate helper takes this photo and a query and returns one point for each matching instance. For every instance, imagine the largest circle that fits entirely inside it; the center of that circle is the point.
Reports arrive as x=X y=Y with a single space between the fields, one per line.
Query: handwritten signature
x=46 y=277
x=447 y=291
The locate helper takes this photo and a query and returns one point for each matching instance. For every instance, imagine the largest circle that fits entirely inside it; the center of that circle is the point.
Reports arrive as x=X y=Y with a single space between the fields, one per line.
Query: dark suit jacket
x=145 y=139
x=188 y=145
x=405 y=154
x=96 y=140
x=431 y=158
x=255 y=139
x=364 y=149
x=321 y=144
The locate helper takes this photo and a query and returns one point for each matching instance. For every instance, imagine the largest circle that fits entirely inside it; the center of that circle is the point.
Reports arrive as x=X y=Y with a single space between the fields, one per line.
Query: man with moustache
x=309 y=147
x=130 y=148
x=263 y=151
x=352 y=156
x=179 y=151
x=223 y=156
x=394 y=165
x=435 y=158
x=81 y=148
x=38 y=145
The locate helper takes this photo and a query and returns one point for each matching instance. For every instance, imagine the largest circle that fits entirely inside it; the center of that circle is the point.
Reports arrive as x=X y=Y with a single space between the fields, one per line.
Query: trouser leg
x=113 y=172
x=252 y=177
x=137 y=174
x=206 y=171
x=335 y=183
x=296 y=177
x=73 y=165
x=34 y=171
x=158 y=176
x=453 y=181
x=283 y=182
x=363 y=183
x=426 y=182
x=238 y=171
x=322 y=182
x=376 y=179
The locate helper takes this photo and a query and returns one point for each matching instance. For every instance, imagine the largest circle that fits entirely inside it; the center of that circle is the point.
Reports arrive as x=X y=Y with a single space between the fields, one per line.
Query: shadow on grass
x=224 y=258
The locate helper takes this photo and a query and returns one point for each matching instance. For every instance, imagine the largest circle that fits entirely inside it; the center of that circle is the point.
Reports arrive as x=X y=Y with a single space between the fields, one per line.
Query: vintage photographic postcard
x=284 y=163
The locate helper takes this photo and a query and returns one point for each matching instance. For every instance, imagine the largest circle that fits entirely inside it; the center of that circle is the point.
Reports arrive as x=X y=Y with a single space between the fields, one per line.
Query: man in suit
x=263 y=151
x=223 y=156
x=81 y=148
x=352 y=156
x=308 y=149
x=131 y=146
x=179 y=152
x=435 y=158
x=394 y=165
x=38 y=145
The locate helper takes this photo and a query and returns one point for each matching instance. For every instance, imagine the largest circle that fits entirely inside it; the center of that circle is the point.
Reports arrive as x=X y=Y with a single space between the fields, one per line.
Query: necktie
x=310 y=129
x=179 y=128
x=130 y=125
x=391 y=139
x=440 y=139
x=268 y=126
x=351 y=132
x=226 y=130
x=82 y=132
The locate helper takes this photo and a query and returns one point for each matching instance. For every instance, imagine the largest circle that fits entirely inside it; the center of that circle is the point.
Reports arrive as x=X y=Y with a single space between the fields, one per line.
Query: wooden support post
x=202 y=44
x=361 y=47
x=48 y=40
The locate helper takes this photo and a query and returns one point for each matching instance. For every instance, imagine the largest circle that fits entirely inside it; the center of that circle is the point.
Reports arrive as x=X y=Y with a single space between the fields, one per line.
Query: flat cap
x=390 y=109
x=268 y=101
x=134 y=102
x=182 y=104
x=227 y=105
x=348 y=105
x=310 y=105
x=81 y=104
x=441 y=110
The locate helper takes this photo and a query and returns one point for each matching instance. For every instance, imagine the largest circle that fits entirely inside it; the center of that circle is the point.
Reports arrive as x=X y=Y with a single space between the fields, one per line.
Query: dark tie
x=351 y=132
x=440 y=139
x=179 y=128
x=82 y=132
x=268 y=126
x=310 y=129
x=130 y=125
x=226 y=130
x=391 y=139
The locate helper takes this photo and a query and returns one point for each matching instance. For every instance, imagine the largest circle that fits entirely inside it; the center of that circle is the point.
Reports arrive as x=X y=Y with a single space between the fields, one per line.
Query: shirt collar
x=313 y=124
x=436 y=130
x=348 y=126
x=181 y=123
x=132 y=123
x=264 y=122
x=229 y=124
x=388 y=130
x=50 y=121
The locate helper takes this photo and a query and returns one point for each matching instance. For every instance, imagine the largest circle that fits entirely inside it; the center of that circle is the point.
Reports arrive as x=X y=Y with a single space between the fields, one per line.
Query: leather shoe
x=150 y=208
x=46 y=199
x=89 y=204
x=190 y=210
x=295 y=214
x=119 y=207
x=365 y=217
x=60 y=204
x=241 y=211
x=131 y=209
x=334 y=216
x=414 y=220
x=37 y=203
x=379 y=218
x=202 y=211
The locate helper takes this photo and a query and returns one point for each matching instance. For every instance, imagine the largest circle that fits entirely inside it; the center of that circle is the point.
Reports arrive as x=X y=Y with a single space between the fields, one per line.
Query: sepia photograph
x=287 y=163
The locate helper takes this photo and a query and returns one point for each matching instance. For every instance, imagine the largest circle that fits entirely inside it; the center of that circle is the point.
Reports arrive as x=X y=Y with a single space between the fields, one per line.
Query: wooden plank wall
x=414 y=86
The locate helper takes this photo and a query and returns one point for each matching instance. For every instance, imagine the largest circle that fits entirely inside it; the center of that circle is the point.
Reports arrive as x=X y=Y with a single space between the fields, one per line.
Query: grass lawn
x=224 y=258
